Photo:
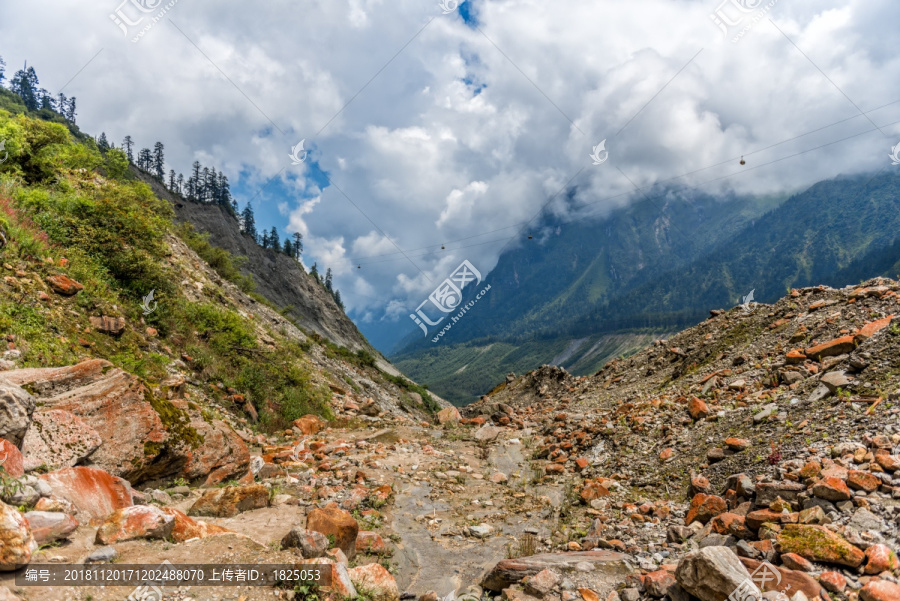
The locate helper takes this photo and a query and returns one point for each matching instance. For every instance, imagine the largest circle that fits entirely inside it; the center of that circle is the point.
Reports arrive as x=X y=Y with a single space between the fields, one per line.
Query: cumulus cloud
x=437 y=131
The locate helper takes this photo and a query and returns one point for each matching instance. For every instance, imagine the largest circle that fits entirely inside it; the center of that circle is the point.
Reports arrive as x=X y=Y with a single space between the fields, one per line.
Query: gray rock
x=103 y=554
x=630 y=594
x=16 y=408
x=766 y=492
x=159 y=496
x=834 y=380
x=481 y=531
x=767 y=411
x=310 y=543
x=713 y=573
x=718 y=540
x=487 y=433
x=180 y=490
x=864 y=520
x=21 y=495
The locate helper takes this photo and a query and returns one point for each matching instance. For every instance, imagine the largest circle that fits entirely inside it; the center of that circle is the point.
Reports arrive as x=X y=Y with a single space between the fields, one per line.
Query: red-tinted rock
x=229 y=501
x=811 y=470
x=49 y=526
x=858 y=480
x=833 y=582
x=309 y=542
x=831 y=489
x=880 y=558
x=448 y=416
x=792 y=561
x=737 y=444
x=697 y=408
x=371 y=543
x=704 y=508
x=657 y=583
x=730 y=524
x=11 y=459
x=93 y=492
x=592 y=491
x=186 y=528
x=788 y=581
x=873 y=327
x=880 y=590
x=58 y=439
x=378 y=583
x=666 y=454
x=309 y=424
x=888 y=462
x=334 y=521
x=136 y=522
x=114 y=326
x=838 y=346
x=16 y=542
x=64 y=285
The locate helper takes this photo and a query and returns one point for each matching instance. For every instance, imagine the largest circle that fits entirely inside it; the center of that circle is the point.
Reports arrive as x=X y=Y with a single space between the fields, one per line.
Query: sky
x=428 y=123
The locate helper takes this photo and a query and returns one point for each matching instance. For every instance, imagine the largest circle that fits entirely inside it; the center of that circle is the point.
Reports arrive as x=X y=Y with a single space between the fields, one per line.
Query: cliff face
x=279 y=278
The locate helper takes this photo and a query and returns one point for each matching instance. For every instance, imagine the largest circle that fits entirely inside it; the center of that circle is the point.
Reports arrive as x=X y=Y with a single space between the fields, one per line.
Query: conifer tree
x=127 y=145
x=248 y=222
x=159 y=162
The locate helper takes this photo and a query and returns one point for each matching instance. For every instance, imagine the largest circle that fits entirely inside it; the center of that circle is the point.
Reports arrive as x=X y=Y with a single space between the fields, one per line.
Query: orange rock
x=11 y=459
x=657 y=583
x=64 y=285
x=370 y=542
x=817 y=543
x=581 y=463
x=666 y=454
x=137 y=521
x=880 y=558
x=334 y=521
x=704 y=508
x=229 y=501
x=858 y=480
x=593 y=490
x=16 y=542
x=872 y=328
x=795 y=356
x=831 y=489
x=838 y=346
x=880 y=590
x=697 y=408
x=309 y=424
x=91 y=491
x=378 y=583
x=730 y=524
x=833 y=582
x=186 y=528
x=810 y=470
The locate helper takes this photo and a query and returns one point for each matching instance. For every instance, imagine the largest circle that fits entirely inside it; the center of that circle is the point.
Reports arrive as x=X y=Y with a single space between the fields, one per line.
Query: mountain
x=651 y=268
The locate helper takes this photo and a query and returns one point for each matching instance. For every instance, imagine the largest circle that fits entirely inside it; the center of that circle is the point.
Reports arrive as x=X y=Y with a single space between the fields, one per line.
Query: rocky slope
x=757 y=454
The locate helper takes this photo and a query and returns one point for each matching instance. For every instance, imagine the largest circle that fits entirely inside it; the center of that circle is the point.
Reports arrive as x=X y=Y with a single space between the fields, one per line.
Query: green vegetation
x=68 y=209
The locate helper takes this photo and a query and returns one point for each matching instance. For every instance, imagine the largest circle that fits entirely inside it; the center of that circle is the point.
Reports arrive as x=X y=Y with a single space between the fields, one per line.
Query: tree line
x=203 y=185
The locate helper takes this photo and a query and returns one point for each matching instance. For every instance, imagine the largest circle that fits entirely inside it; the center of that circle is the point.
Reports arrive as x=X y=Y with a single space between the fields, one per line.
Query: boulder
x=816 y=543
x=11 y=459
x=136 y=522
x=487 y=433
x=333 y=521
x=542 y=584
x=834 y=380
x=16 y=542
x=371 y=543
x=186 y=528
x=704 y=508
x=605 y=567
x=144 y=436
x=783 y=580
x=880 y=558
x=340 y=579
x=114 y=326
x=229 y=501
x=714 y=573
x=658 y=583
x=309 y=542
x=16 y=408
x=766 y=492
x=49 y=526
x=880 y=590
x=858 y=480
x=834 y=582
x=58 y=439
x=378 y=583
x=448 y=416
x=838 y=346
x=64 y=285
x=831 y=489
x=309 y=424
x=93 y=492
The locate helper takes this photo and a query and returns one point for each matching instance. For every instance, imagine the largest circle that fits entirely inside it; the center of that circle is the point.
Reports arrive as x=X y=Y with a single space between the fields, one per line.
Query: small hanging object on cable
x=530 y=236
x=359 y=266
x=443 y=247
x=743 y=162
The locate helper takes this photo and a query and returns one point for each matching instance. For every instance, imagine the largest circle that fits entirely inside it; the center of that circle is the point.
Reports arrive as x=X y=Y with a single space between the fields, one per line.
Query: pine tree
x=329 y=286
x=314 y=272
x=298 y=245
x=102 y=142
x=274 y=242
x=248 y=222
x=2 y=69
x=25 y=84
x=287 y=248
x=70 y=111
x=127 y=143
x=180 y=184
x=337 y=299
x=46 y=100
x=172 y=182
x=159 y=161
x=145 y=159
x=264 y=241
